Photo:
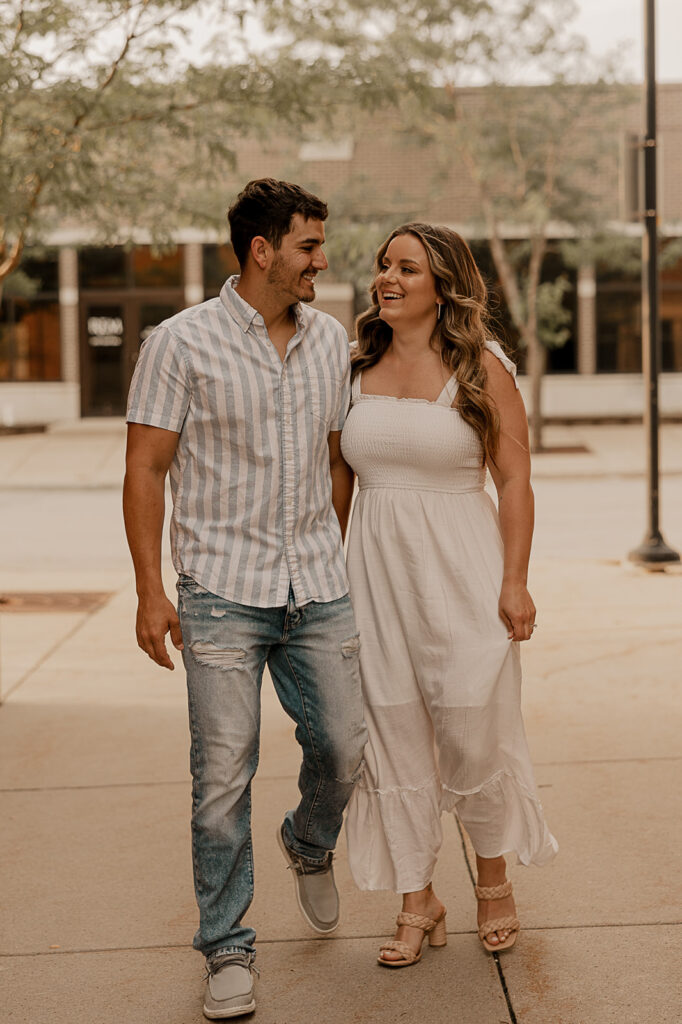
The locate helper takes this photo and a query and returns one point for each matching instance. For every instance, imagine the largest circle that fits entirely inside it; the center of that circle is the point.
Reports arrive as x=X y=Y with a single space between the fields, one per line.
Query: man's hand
x=156 y=617
x=149 y=453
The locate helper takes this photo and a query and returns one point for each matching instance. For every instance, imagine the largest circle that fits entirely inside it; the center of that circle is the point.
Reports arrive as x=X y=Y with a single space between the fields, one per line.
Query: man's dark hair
x=266 y=207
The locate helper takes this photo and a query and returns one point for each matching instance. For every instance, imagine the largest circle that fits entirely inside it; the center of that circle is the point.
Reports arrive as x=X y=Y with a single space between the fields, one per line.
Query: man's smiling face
x=298 y=260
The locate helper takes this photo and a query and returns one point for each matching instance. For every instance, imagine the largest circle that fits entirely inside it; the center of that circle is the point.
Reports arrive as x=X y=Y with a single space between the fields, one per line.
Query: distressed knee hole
x=208 y=653
x=351 y=646
x=217 y=613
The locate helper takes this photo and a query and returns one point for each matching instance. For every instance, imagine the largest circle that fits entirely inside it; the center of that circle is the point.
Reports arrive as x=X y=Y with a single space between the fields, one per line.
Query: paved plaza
x=96 y=891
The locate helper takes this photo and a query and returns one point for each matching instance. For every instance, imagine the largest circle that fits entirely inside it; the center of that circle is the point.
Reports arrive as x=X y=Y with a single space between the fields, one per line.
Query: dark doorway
x=113 y=326
x=125 y=293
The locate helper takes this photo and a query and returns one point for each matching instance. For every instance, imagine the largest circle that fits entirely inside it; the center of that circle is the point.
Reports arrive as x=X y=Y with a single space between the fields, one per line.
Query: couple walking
x=261 y=414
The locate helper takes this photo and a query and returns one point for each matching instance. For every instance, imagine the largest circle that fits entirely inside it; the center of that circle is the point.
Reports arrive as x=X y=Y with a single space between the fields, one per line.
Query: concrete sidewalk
x=98 y=907
x=87 y=454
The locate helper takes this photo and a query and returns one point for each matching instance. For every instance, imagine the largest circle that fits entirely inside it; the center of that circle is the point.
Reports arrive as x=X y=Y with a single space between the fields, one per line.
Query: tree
x=105 y=122
x=504 y=90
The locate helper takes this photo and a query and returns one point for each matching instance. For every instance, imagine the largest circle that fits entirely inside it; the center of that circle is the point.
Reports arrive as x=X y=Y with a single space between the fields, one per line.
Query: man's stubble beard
x=283 y=281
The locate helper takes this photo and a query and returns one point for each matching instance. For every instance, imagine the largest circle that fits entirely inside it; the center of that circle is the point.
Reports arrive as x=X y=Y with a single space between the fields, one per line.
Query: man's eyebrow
x=312 y=241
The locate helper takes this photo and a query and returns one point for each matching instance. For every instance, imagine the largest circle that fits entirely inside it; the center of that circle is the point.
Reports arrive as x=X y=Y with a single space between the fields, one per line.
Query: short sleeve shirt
x=252 y=512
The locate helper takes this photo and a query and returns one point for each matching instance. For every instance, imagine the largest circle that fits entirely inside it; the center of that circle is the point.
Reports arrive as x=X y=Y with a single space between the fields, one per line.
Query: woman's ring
x=534 y=626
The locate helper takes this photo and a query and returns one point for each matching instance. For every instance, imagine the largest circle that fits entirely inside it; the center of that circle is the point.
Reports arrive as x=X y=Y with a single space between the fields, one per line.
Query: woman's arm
x=343 y=479
x=511 y=474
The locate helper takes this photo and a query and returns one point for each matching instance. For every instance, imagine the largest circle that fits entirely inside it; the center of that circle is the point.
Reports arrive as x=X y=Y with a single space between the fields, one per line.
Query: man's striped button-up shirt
x=252 y=512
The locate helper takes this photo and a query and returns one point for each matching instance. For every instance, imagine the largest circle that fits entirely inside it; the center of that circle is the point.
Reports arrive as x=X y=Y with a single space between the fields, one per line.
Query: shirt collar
x=244 y=314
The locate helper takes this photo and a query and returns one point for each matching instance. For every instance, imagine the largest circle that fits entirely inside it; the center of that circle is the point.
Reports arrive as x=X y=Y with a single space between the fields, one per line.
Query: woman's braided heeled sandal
x=510 y=923
x=434 y=929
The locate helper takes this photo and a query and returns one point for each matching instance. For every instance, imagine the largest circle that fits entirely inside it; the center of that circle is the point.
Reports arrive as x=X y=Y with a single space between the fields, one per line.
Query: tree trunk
x=537 y=361
x=537 y=356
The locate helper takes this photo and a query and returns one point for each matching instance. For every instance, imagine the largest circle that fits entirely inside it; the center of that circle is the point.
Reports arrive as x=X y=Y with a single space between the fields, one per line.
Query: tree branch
x=11 y=262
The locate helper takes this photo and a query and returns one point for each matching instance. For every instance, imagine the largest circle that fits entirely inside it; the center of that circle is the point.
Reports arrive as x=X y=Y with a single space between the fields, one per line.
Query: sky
x=609 y=23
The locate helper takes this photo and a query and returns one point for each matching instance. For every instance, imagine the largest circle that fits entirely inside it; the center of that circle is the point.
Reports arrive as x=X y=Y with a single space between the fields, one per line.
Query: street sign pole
x=653 y=550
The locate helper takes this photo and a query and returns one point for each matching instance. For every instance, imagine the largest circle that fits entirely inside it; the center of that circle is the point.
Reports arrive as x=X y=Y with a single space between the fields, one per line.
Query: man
x=242 y=398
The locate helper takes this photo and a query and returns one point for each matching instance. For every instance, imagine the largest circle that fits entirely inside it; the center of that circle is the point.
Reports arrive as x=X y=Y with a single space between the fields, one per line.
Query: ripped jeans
x=312 y=654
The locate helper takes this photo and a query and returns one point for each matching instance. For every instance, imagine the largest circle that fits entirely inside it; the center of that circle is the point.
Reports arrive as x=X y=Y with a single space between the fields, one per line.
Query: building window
x=220 y=263
x=671 y=317
x=115 y=268
x=619 y=332
x=562 y=359
x=156 y=269
x=29 y=322
x=103 y=268
x=619 y=317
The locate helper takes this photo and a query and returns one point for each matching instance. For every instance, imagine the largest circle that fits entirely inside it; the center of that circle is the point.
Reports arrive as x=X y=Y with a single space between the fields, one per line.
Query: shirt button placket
x=288 y=473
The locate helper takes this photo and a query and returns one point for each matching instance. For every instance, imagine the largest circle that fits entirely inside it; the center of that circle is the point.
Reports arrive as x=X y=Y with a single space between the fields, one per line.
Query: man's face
x=298 y=260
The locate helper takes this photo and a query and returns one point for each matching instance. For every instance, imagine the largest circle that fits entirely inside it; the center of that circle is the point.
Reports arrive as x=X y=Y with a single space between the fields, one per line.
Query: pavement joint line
x=608 y=760
x=329 y=938
x=59 y=488
x=55 y=647
x=48 y=654
x=284 y=778
x=570 y=666
x=496 y=957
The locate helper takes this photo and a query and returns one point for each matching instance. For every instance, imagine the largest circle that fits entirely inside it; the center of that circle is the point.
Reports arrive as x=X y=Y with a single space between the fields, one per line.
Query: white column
x=194 y=273
x=587 y=319
x=68 y=314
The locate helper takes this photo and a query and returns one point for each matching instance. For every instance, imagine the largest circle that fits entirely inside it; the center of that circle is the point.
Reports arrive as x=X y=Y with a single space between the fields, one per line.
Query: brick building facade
x=69 y=349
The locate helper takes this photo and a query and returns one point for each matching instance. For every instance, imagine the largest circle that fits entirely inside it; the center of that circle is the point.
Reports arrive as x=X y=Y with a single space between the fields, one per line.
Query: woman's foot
x=423 y=903
x=499 y=907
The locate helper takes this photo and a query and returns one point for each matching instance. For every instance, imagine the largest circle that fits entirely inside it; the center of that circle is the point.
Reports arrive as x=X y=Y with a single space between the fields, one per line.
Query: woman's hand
x=517 y=610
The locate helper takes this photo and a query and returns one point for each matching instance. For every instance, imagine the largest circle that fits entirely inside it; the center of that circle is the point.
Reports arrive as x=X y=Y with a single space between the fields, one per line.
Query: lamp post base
x=654 y=551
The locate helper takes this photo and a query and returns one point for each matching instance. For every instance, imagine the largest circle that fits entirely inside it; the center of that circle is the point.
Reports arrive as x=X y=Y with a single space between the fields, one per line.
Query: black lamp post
x=653 y=550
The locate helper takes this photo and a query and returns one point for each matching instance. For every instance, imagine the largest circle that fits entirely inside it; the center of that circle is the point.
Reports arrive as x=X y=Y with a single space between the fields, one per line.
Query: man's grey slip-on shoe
x=316 y=892
x=229 y=987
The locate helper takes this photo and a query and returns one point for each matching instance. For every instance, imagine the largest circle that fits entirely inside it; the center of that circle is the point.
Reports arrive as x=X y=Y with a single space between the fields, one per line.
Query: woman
x=438 y=584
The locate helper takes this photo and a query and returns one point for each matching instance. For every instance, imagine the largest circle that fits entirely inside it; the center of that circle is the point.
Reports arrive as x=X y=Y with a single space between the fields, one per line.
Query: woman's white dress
x=441 y=680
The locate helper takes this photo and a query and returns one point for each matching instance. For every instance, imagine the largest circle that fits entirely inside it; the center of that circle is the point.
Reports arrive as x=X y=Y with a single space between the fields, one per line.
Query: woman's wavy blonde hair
x=459 y=333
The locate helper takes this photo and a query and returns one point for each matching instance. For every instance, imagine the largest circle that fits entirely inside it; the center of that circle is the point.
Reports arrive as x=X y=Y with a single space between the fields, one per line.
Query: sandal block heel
x=438 y=935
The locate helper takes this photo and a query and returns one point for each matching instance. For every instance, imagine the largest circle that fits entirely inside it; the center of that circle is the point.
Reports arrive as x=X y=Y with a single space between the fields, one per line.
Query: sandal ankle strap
x=493 y=892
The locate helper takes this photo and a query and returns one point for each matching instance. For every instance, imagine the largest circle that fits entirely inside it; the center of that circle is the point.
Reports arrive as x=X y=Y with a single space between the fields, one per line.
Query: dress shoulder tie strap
x=447 y=395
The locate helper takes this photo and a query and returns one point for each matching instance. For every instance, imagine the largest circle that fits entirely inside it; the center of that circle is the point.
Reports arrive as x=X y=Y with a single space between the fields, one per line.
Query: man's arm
x=342 y=480
x=149 y=453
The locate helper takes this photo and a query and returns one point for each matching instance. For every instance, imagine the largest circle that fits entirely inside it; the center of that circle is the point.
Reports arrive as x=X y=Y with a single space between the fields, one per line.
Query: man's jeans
x=312 y=654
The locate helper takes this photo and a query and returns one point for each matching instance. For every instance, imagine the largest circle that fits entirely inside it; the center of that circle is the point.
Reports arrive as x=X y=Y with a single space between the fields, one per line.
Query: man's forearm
x=143 y=512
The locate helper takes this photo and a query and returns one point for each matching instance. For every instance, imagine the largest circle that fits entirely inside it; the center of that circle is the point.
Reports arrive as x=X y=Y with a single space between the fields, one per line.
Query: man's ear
x=261 y=251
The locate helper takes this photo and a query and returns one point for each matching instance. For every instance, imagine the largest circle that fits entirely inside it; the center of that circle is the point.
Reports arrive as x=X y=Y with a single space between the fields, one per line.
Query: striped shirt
x=252 y=512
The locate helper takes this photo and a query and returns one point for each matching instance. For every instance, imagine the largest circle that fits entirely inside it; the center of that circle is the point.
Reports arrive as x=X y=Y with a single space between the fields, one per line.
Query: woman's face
x=406 y=287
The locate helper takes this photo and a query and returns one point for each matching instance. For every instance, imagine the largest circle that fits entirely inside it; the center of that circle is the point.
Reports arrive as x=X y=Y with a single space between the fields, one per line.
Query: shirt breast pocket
x=322 y=394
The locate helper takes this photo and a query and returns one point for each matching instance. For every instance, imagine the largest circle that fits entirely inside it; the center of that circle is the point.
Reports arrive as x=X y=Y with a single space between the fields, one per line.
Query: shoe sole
x=304 y=915
x=235 y=1011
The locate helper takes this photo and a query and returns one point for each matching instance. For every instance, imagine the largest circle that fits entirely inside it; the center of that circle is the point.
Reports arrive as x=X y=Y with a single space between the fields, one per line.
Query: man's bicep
x=150 y=448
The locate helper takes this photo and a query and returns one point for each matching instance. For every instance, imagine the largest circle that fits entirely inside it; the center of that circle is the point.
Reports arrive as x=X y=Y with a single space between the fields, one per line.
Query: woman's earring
x=440 y=310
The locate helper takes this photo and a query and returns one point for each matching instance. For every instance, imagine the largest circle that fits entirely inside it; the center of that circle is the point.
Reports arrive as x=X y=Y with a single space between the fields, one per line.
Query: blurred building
x=68 y=346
